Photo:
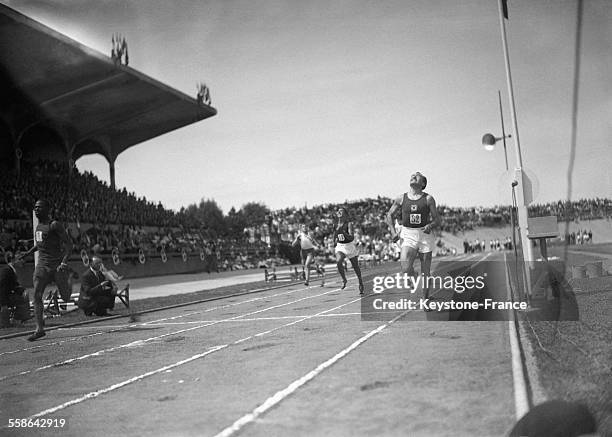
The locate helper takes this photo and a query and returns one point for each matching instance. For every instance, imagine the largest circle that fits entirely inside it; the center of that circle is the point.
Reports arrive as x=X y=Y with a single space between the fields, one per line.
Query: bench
x=291 y=275
x=54 y=306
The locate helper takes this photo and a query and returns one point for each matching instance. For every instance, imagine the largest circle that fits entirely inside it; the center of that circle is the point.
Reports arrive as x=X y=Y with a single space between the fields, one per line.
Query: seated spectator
x=97 y=293
x=12 y=295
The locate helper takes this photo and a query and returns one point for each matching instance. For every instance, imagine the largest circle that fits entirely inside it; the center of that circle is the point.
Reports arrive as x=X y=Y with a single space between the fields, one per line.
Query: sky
x=327 y=101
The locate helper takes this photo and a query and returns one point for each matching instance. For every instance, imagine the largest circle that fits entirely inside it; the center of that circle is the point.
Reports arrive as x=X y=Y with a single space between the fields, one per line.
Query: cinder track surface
x=290 y=361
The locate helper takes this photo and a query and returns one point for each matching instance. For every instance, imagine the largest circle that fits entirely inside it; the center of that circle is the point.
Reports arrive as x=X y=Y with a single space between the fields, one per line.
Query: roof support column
x=105 y=148
x=111 y=167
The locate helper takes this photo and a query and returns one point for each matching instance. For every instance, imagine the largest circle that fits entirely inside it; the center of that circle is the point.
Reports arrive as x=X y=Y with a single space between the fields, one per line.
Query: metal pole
x=522 y=216
x=522 y=194
x=501 y=115
x=519 y=159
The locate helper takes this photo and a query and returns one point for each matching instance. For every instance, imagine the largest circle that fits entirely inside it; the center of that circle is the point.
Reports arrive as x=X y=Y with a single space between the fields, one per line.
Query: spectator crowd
x=100 y=220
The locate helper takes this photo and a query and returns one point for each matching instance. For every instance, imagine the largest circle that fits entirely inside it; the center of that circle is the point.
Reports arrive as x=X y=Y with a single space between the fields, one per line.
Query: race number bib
x=415 y=219
x=39 y=236
x=340 y=237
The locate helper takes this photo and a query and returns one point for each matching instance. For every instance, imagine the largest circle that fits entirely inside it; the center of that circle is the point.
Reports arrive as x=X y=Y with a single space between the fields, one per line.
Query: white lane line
x=302 y=318
x=263 y=319
x=150 y=339
x=521 y=400
x=211 y=350
x=224 y=306
x=122 y=327
x=291 y=388
x=307 y=318
x=113 y=328
x=97 y=393
x=220 y=307
x=521 y=397
x=480 y=260
x=254 y=319
x=56 y=343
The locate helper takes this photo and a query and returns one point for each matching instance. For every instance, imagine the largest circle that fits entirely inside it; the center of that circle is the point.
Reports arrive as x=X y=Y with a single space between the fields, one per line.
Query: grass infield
x=573 y=359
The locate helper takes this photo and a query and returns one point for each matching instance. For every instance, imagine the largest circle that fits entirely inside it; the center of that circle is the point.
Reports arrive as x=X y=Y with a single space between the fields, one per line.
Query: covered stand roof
x=94 y=105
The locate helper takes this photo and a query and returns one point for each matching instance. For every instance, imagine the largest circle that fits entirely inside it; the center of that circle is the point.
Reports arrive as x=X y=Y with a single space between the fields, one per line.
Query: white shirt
x=305 y=241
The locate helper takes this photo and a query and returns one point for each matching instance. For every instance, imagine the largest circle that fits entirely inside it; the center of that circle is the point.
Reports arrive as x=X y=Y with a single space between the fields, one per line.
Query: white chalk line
x=521 y=400
x=521 y=397
x=264 y=319
x=97 y=393
x=57 y=343
x=211 y=350
x=223 y=306
x=220 y=307
x=291 y=388
x=303 y=318
x=150 y=339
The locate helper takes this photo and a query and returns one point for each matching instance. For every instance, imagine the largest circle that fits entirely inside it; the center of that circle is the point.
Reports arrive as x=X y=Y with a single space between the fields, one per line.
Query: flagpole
x=519 y=159
x=522 y=192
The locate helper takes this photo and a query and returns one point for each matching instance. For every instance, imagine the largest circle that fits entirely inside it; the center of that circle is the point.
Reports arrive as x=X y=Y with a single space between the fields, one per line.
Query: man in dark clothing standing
x=51 y=242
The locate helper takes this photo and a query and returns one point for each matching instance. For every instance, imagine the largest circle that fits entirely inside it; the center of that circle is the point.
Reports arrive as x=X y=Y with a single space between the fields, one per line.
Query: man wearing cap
x=51 y=242
x=419 y=218
x=12 y=294
x=97 y=292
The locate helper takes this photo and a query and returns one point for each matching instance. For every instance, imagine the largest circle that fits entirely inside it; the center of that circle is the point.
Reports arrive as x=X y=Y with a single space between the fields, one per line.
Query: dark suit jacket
x=9 y=284
x=92 y=293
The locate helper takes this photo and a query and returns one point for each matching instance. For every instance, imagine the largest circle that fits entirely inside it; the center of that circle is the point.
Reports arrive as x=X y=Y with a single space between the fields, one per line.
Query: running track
x=291 y=361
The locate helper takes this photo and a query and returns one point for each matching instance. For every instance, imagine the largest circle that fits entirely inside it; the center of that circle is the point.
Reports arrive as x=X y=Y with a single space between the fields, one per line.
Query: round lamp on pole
x=489 y=140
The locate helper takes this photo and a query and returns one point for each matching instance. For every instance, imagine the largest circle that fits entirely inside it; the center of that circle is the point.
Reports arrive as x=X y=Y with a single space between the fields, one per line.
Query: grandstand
x=101 y=219
x=61 y=100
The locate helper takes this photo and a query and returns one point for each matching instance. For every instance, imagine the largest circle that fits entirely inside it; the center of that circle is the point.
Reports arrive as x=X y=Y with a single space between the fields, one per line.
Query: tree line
x=208 y=216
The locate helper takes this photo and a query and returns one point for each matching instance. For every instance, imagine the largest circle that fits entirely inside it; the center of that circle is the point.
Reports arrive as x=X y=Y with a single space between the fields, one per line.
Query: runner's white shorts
x=417 y=239
x=349 y=249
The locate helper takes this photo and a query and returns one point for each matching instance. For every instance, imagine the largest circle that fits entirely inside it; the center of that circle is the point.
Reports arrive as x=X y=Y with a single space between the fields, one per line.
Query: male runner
x=307 y=248
x=419 y=218
x=345 y=247
x=51 y=242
